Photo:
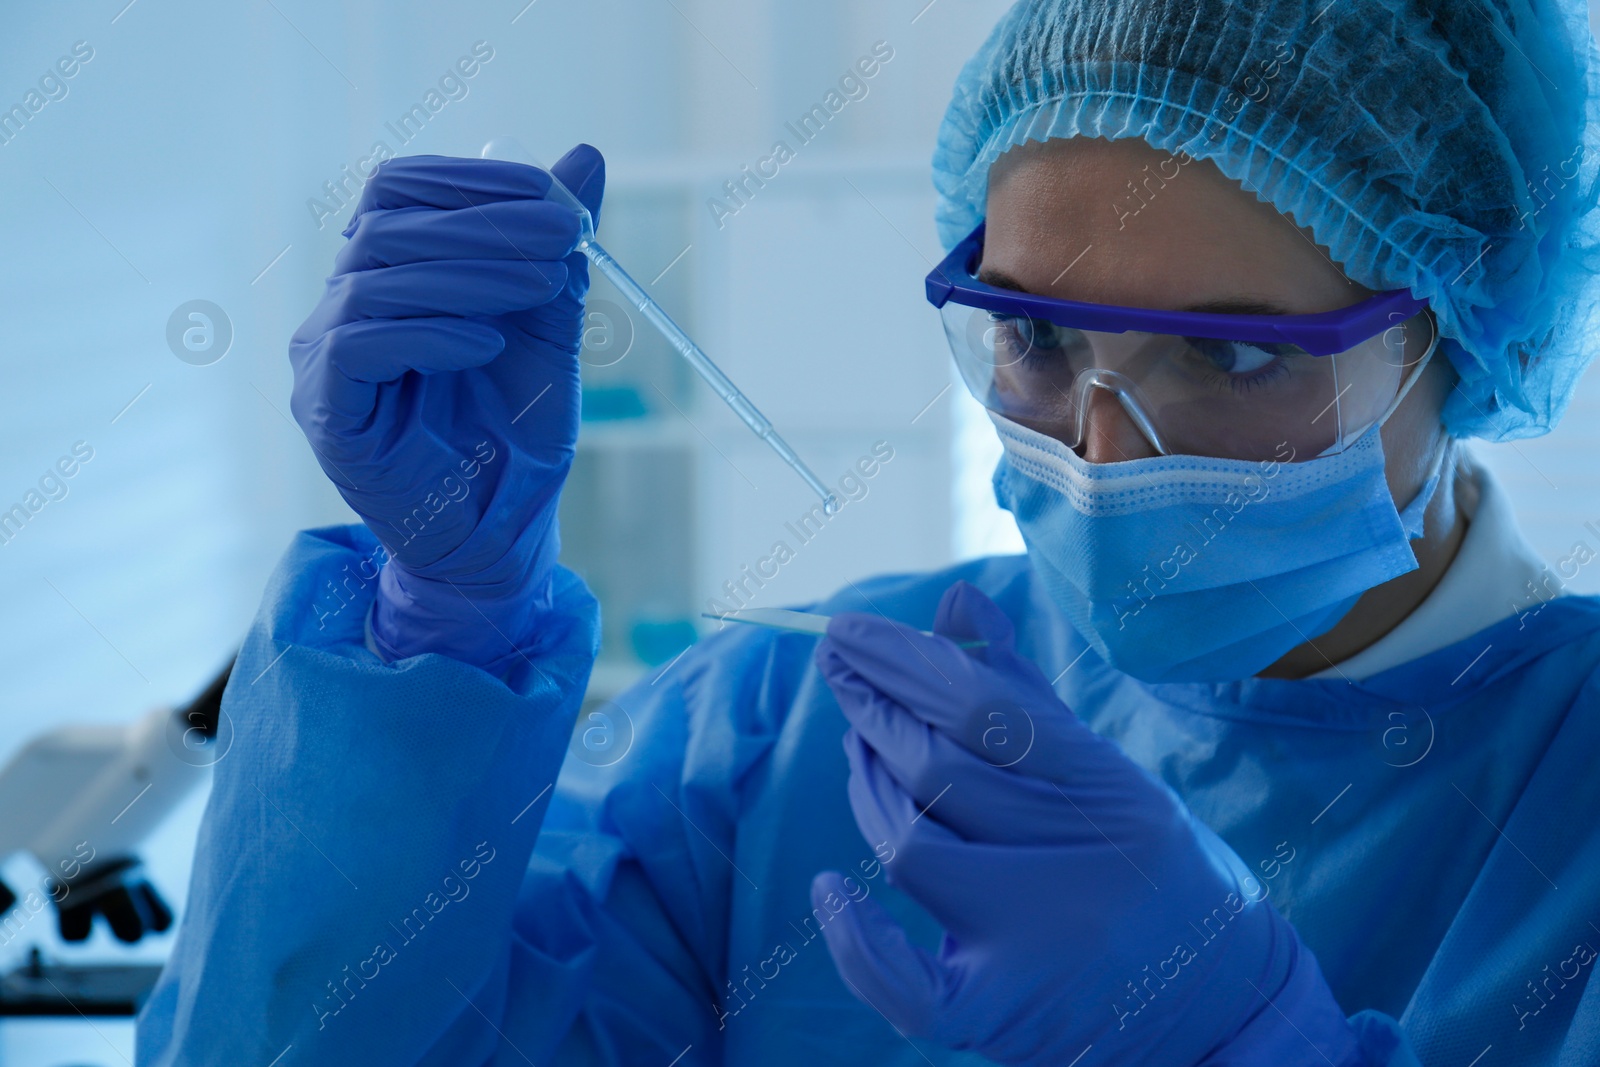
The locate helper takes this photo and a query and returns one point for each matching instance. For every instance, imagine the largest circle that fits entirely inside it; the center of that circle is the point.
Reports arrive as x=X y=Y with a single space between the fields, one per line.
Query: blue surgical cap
x=1444 y=146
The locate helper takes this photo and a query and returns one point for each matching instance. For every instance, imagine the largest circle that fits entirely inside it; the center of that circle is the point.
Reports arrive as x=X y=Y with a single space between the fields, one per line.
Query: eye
x=1026 y=336
x=1238 y=357
x=1042 y=335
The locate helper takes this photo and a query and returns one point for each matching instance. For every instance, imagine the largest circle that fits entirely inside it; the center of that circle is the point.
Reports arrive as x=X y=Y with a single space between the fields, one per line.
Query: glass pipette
x=796 y=622
x=511 y=150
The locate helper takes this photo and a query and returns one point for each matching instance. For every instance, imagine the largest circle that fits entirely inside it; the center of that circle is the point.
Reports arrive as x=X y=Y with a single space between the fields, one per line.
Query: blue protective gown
x=364 y=890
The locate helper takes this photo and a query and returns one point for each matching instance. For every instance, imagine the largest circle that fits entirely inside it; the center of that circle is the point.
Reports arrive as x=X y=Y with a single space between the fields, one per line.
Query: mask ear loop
x=1412 y=515
x=1394 y=405
x=1422 y=364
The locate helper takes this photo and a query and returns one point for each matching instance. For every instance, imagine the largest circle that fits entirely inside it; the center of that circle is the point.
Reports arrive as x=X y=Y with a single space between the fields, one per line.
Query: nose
x=1109 y=435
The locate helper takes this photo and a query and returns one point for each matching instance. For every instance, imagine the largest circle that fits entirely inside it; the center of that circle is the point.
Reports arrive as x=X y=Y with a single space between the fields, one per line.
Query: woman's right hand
x=437 y=382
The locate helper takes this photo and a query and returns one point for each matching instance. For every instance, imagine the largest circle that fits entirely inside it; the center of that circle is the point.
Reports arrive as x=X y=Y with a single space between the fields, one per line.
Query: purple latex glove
x=437 y=382
x=1076 y=891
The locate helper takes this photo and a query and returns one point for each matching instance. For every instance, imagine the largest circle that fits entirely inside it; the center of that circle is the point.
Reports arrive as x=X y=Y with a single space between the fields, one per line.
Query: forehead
x=1121 y=222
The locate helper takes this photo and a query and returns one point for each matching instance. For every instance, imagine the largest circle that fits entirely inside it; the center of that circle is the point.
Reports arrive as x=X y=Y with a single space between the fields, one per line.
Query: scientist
x=1262 y=754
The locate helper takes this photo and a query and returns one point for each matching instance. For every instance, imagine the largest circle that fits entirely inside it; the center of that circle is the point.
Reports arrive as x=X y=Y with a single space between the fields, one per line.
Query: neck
x=1383 y=608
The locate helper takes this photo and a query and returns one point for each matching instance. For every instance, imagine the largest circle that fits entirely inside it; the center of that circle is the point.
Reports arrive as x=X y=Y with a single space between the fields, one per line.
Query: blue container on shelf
x=657 y=640
x=610 y=403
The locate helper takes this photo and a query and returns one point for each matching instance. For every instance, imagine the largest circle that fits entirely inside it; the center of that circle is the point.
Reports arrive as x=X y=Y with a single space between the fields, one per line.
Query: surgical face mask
x=1191 y=569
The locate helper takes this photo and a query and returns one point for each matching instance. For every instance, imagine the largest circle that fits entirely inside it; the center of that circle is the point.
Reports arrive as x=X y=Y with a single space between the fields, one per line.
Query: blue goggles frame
x=1323 y=334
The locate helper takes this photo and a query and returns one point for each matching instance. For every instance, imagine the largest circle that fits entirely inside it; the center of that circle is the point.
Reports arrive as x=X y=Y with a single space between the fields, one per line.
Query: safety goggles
x=1194 y=383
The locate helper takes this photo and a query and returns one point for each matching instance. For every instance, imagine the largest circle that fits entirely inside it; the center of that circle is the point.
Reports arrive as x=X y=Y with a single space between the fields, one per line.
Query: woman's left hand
x=1088 y=916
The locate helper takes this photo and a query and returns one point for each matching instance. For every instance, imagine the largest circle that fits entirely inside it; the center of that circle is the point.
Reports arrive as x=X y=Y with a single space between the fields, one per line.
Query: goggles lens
x=1204 y=396
x=1229 y=386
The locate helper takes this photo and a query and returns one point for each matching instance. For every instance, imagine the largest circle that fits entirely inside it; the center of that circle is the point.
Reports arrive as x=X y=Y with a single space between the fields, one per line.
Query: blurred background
x=204 y=152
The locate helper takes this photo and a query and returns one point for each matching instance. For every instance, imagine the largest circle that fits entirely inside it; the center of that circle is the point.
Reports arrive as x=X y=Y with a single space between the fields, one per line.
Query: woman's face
x=1063 y=221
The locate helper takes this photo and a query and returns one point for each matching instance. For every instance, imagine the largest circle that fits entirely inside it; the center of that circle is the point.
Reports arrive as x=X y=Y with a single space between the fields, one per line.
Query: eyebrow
x=1240 y=306
x=1000 y=279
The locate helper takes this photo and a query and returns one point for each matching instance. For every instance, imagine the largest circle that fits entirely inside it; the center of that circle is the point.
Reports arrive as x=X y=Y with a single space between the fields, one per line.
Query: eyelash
x=1248 y=383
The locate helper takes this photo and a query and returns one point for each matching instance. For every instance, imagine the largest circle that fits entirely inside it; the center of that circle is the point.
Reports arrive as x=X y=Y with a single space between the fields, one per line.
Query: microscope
x=80 y=800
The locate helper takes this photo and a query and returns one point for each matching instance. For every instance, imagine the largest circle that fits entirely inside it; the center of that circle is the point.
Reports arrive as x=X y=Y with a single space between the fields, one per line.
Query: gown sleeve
x=362 y=890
